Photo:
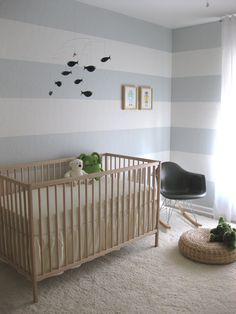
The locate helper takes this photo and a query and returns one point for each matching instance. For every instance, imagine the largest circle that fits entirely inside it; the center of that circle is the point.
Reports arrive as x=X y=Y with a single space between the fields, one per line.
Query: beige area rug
x=137 y=279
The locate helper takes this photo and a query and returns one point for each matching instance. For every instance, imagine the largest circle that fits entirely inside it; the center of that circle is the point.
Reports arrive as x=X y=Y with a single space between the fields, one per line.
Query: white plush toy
x=76 y=169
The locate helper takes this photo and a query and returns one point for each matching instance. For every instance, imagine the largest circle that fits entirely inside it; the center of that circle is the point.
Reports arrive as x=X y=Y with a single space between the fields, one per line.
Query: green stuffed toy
x=224 y=233
x=92 y=163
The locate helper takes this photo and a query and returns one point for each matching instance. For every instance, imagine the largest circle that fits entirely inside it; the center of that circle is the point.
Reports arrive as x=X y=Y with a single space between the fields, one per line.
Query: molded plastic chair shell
x=179 y=184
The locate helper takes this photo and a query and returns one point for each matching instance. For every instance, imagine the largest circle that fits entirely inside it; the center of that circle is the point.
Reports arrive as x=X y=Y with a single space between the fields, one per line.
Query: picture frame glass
x=129 y=97
x=145 y=98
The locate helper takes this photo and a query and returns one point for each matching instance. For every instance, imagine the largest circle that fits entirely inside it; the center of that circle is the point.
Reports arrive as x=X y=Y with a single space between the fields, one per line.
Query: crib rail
x=52 y=223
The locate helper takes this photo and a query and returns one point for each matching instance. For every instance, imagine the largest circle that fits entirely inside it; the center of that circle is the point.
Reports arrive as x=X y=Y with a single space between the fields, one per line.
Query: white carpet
x=137 y=279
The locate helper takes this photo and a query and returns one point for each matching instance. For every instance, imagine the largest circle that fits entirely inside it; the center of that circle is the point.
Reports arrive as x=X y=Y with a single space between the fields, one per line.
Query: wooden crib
x=49 y=224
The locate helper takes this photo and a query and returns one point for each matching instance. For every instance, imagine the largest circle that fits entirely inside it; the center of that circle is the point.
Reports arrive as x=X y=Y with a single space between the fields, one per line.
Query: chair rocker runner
x=178 y=188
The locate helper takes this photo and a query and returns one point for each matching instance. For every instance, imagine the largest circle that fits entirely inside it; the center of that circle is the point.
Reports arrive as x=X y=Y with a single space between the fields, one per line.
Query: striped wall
x=183 y=66
x=37 y=39
x=196 y=85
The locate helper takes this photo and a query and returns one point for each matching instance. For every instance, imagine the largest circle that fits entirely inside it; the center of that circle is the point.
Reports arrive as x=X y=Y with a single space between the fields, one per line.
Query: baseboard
x=203 y=210
x=200 y=210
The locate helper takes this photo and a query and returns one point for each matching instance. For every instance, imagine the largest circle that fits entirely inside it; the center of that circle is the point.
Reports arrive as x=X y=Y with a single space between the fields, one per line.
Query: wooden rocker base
x=164 y=224
x=189 y=218
x=186 y=215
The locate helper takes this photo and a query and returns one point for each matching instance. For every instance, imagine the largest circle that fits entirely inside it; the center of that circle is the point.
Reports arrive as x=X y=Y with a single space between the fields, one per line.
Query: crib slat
x=100 y=214
x=64 y=221
x=13 y=223
x=139 y=199
x=1 y=224
x=123 y=208
x=32 y=263
x=9 y=220
x=18 y=243
x=79 y=222
x=110 y=163
x=57 y=227
x=158 y=203
x=22 y=229
x=93 y=217
x=129 y=205
x=54 y=172
x=35 y=174
x=3 y=230
x=40 y=231
x=112 y=209
x=42 y=174
x=106 y=212
x=5 y=218
x=21 y=175
x=28 y=172
x=134 y=202
x=149 y=195
x=118 y=206
x=49 y=231
x=144 y=199
x=27 y=237
x=72 y=219
x=153 y=197
x=86 y=216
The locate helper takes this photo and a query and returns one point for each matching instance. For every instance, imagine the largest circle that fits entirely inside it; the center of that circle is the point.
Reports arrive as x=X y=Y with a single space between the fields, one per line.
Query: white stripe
x=28 y=42
x=53 y=116
x=162 y=156
x=197 y=63
x=195 y=114
x=195 y=163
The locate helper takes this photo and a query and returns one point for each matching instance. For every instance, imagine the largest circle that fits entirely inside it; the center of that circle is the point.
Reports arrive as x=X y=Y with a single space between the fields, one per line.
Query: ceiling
x=170 y=13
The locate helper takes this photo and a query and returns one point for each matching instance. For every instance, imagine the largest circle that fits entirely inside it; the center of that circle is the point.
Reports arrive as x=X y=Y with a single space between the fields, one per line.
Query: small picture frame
x=129 y=97
x=145 y=98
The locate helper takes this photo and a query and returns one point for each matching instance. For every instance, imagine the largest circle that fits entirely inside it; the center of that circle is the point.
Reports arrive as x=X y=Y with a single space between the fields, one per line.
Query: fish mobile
x=66 y=73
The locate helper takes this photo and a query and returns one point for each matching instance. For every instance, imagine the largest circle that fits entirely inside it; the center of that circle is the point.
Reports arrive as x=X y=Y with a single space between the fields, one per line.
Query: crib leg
x=156 y=239
x=35 y=291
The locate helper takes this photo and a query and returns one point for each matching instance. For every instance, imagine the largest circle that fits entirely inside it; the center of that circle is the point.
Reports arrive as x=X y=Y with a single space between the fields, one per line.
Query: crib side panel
x=77 y=222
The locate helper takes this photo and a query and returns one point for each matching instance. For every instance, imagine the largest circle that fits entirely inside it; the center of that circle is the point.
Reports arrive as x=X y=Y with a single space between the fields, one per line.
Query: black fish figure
x=105 y=59
x=66 y=73
x=87 y=93
x=50 y=93
x=90 y=68
x=58 y=83
x=72 y=63
x=78 y=81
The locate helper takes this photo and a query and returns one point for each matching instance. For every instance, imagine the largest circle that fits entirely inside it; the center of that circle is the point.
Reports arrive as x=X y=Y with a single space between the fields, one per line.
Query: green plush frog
x=92 y=163
x=224 y=233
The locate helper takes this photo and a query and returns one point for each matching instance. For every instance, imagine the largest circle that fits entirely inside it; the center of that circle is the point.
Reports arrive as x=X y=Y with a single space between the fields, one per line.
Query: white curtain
x=225 y=149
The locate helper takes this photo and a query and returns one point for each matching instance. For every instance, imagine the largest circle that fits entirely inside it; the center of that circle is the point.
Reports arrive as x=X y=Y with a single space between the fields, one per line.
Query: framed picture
x=129 y=97
x=145 y=97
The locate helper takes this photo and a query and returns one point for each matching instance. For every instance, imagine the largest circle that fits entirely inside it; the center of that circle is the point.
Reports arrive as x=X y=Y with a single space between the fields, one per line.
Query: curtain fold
x=225 y=148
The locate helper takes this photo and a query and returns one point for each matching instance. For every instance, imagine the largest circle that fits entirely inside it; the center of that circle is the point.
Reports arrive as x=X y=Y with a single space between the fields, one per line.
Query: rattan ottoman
x=194 y=244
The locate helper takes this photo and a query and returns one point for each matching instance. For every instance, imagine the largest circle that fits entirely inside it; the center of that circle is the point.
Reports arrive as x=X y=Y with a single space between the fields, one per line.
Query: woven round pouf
x=194 y=244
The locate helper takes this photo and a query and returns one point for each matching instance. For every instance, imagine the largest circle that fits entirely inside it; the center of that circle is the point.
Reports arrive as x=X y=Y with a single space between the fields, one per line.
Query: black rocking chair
x=181 y=187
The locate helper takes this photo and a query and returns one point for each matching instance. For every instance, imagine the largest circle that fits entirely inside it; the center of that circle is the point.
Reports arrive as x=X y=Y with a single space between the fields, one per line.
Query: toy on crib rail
x=92 y=163
x=76 y=169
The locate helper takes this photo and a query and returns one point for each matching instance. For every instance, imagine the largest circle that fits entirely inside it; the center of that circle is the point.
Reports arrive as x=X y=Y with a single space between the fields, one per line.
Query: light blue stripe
x=196 y=37
x=190 y=140
x=22 y=79
x=70 y=15
x=43 y=147
x=199 y=88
